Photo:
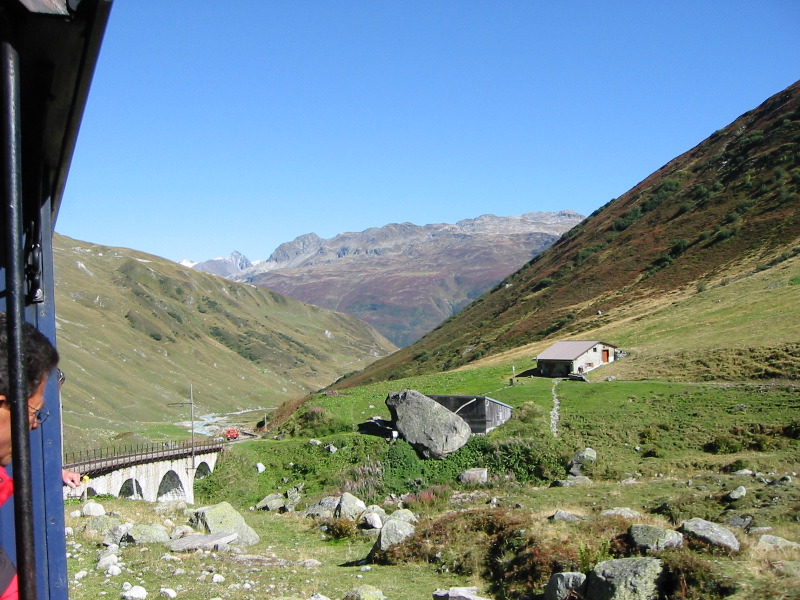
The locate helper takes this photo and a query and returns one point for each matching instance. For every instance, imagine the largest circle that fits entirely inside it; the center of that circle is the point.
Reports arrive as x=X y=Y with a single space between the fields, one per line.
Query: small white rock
x=217 y=578
x=168 y=592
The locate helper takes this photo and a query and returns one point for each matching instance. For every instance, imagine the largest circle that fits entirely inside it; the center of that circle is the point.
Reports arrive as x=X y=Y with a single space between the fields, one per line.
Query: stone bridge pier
x=158 y=481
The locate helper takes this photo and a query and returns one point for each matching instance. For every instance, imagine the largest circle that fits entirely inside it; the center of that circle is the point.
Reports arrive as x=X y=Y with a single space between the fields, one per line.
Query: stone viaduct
x=155 y=476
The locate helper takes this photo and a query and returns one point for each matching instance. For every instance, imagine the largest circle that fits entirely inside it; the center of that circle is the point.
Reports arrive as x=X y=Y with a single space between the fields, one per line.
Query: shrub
x=538 y=461
x=723 y=444
x=340 y=529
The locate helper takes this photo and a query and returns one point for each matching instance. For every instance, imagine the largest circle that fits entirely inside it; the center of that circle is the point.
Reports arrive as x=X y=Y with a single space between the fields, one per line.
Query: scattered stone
x=785 y=480
x=773 y=542
x=114 y=570
x=403 y=514
x=102 y=523
x=315 y=442
x=181 y=531
x=273 y=502
x=80 y=575
x=364 y=592
x=196 y=541
x=310 y=563
x=571 y=481
x=372 y=520
x=136 y=592
x=145 y=534
x=169 y=593
x=319 y=596
x=743 y=472
x=217 y=578
x=583 y=458
x=711 y=533
x=621 y=511
x=758 y=530
x=75 y=514
x=331 y=448
x=260 y=467
x=624 y=579
x=458 y=593
x=563 y=586
x=740 y=521
x=323 y=509
x=106 y=560
x=429 y=427
x=475 y=476
x=223 y=518
x=654 y=539
x=562 y=515
x=349 y=507
x=93 y=509
x=737 y=494
x=394 y=531
x=113 y=536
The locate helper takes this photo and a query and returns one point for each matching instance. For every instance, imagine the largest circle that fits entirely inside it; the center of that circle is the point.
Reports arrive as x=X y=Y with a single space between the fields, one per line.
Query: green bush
x=723 y=444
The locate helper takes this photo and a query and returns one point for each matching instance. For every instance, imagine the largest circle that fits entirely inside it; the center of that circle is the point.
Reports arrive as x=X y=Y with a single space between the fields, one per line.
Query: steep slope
x=135 y=331
x=403 y=279
x=725 y=209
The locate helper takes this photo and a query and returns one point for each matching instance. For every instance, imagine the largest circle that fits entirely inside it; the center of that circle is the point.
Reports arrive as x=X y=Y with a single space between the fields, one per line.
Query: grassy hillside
x=726 y=213
x=135 y=331
x=676 y=447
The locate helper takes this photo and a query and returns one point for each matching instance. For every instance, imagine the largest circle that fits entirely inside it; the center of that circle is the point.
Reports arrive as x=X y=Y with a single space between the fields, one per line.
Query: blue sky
x=239 y=125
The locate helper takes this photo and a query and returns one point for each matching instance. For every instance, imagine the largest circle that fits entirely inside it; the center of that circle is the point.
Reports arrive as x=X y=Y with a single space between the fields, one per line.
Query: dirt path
x=554 y=414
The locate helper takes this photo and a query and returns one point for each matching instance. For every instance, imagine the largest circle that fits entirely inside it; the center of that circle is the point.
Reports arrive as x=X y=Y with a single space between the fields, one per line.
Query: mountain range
x=647 y=270
x=403 y=279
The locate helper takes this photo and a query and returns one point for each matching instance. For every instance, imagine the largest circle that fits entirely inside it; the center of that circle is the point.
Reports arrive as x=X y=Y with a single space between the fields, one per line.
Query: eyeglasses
x=40 y=415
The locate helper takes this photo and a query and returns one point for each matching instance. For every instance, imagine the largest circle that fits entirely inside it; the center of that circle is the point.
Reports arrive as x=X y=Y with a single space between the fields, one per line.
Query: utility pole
x=191 y=404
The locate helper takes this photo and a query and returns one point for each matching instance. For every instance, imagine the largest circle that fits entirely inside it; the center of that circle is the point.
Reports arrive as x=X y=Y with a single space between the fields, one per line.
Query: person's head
x=40 y=359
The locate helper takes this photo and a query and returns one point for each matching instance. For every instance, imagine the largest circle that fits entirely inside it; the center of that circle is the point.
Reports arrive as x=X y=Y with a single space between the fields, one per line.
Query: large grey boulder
x=322 y=509
x=624 y=579
x=711 y=533
x=394 y=531
x=102 y=523
x=272 y=502
x=433 y=430
x=563 y=586
x=654 y=539
x=223 y=518
x=142 y=533
x=585 y=457
x=349 y=507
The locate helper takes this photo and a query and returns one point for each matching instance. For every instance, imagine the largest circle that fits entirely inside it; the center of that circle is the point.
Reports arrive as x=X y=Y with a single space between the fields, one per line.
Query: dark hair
x=40 y=357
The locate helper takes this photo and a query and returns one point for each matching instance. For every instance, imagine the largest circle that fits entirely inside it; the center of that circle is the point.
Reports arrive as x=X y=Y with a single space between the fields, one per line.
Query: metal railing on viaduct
x=100 y=461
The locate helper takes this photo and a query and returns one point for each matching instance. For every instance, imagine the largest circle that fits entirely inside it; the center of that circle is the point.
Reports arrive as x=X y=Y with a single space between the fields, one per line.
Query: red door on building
x=605 y=355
